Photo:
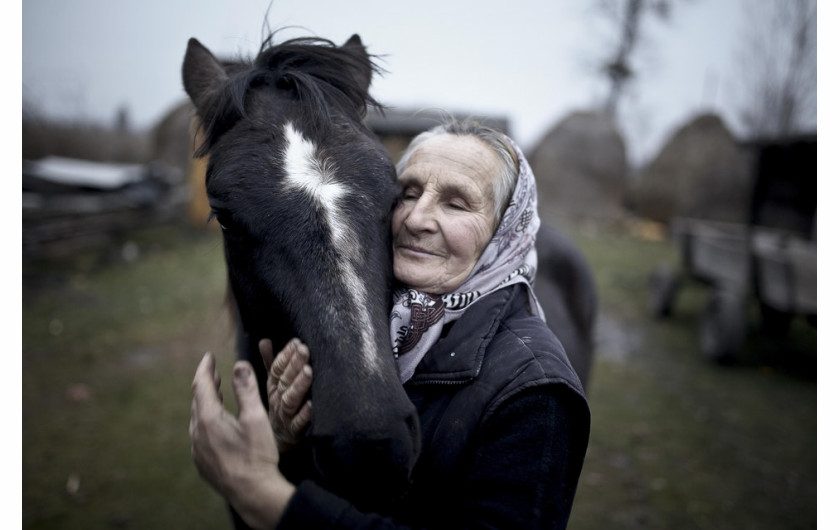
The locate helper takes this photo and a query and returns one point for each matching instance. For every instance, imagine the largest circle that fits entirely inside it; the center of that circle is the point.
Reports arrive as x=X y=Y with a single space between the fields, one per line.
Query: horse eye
x=221 y=217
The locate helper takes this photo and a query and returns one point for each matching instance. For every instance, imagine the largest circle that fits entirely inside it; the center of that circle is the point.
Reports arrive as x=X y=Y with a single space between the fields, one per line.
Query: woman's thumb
x=245 y=388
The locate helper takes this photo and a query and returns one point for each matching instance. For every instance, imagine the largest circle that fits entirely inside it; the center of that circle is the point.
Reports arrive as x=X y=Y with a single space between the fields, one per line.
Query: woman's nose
x=420 y=216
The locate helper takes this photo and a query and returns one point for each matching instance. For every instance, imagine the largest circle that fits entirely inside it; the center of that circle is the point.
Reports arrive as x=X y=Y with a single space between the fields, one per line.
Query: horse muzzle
x=370 y=468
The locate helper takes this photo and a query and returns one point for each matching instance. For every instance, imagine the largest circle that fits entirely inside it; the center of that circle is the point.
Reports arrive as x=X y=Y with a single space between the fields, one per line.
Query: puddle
x=613 y=340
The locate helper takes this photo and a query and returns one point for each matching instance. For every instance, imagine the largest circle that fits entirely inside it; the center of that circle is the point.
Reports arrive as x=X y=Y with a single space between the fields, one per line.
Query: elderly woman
x=505 y=423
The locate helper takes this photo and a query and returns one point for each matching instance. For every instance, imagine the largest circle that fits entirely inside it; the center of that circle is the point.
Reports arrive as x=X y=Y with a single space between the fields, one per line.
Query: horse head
x=303 y=192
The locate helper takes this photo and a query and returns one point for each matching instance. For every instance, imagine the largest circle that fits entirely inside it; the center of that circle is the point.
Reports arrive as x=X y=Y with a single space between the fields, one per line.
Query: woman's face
x=445 y=216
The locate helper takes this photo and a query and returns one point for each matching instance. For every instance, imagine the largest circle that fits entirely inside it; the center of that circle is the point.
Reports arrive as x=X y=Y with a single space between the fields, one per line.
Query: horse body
x=304 y=192
x=567 y=293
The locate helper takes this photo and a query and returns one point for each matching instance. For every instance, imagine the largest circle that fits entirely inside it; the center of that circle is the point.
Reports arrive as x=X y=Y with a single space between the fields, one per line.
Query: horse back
x=566 y=290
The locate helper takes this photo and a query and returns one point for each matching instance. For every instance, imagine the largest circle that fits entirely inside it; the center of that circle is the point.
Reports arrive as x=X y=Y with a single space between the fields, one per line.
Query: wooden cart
x=771 y=259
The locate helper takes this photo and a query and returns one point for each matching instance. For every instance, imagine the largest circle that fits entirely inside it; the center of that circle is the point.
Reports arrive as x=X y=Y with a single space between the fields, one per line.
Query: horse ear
x=202 y=75
x=363 y=74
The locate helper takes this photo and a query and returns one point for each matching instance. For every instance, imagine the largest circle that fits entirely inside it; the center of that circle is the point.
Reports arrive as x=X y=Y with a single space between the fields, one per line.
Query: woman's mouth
x=415 y=249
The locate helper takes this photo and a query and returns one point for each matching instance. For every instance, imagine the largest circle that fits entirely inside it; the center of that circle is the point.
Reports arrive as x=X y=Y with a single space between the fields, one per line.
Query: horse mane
x=319 y=73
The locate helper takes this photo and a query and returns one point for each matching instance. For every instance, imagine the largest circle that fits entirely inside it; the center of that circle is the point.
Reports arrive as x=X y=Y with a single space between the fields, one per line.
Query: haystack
x=580 y=166
x=701 y=172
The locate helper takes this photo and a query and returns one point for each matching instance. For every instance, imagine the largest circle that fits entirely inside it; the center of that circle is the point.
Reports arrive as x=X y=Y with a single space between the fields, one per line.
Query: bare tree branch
x=627 y=16
x=778 y=68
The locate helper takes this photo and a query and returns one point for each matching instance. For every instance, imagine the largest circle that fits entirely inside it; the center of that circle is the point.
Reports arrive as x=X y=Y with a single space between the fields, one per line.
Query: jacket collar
x=458 y=355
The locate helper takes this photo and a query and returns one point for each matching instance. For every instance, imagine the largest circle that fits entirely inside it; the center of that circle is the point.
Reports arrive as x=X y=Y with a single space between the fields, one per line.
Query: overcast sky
x=532 y=61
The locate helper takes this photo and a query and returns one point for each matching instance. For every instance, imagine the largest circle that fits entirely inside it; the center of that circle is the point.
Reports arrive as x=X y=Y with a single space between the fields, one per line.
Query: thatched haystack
x=580 y=166
x=701 y=172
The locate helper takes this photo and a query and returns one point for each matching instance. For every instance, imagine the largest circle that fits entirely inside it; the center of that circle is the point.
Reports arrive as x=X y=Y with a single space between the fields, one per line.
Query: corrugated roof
x=84 y=173
x=412 y=122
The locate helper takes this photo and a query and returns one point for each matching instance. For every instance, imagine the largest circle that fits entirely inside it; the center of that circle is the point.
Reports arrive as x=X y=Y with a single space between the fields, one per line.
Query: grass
x=110 y=348
x=678 y=442
x=108 y=359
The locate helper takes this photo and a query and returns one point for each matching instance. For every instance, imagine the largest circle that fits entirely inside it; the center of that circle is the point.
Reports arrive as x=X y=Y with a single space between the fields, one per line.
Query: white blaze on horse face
x=306 y=173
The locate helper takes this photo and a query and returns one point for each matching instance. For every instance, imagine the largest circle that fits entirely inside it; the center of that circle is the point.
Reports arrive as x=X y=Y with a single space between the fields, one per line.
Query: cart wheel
x=723 y=326
x=663 y=284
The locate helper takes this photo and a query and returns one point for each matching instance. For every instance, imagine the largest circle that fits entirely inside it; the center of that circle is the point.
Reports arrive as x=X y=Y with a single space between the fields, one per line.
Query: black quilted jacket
x=505 y=428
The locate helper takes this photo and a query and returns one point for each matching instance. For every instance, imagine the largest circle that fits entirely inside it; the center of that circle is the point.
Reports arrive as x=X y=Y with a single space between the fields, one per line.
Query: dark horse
x=568 y=295
x=304 y=193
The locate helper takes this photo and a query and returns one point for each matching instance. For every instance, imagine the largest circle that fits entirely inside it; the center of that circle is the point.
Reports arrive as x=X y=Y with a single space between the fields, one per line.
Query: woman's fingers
x=289 y=382
x=292 y=399
x=206 y=384
x=266 y=352
x=301 y=420
x=290 y=363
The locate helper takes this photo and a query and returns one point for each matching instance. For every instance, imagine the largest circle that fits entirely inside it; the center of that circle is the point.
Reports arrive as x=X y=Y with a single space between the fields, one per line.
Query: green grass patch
x=679 y=442
x=108 y=357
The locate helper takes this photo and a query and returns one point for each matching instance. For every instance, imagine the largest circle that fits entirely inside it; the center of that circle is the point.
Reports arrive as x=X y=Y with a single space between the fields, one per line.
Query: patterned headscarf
x=418 y=318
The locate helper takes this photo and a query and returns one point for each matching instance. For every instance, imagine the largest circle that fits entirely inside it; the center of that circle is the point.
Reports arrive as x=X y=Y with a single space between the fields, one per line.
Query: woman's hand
x=289 y=381
x=237 y=455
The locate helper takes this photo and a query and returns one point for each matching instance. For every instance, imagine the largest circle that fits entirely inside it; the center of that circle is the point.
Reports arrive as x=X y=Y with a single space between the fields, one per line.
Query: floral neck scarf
x=418 y=318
